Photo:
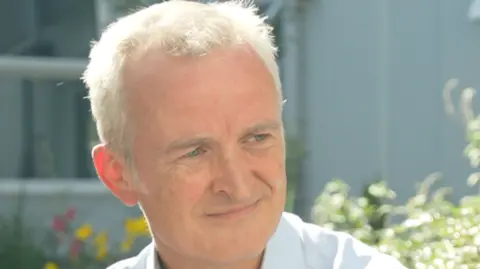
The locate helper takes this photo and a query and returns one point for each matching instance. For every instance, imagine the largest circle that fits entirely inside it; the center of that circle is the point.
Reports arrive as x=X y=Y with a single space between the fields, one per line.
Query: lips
x=235 y=211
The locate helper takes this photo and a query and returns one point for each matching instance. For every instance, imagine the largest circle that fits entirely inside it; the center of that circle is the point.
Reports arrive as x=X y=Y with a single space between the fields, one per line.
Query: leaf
x=473 y=179
x=470 y=201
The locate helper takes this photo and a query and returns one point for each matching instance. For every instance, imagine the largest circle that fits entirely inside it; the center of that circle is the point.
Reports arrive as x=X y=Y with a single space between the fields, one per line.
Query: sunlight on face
x=209 y=148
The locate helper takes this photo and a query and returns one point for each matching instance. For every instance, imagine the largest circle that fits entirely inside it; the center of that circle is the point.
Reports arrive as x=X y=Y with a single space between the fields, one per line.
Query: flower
x=70 y=214
x=50 y=265
x=126 y=245
x=76 y=248
x=136 y=226
x=58 y=224
x=84 y=232
x=101 y=242
x=101 y=239
x=101 y=253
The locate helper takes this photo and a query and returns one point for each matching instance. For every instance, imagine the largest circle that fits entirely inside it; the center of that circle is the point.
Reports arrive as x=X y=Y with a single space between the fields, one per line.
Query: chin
x=234 y=254
x=245 y=240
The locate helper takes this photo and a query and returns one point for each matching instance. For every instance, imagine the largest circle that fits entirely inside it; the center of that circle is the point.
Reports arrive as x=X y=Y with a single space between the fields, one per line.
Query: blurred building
x=363 y=80
x=46 y=128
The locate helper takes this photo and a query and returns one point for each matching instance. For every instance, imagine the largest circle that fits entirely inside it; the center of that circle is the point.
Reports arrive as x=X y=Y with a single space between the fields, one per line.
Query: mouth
x=235 y=212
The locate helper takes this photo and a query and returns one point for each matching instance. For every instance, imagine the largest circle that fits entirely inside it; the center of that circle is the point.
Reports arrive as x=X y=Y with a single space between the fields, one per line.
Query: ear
x=114 y=174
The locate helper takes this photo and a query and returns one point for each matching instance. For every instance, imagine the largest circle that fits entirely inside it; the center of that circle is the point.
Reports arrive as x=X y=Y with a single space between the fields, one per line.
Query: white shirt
x=298 y=245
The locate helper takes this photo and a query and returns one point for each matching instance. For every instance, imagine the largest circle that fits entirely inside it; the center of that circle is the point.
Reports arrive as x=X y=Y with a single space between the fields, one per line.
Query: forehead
x=172 y=89
x=156 y=70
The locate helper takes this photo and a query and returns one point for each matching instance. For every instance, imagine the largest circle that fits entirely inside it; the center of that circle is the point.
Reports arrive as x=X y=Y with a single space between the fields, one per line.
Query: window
x=474 y=11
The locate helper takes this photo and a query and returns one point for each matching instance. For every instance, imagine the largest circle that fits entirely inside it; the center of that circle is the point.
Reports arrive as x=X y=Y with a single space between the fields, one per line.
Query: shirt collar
x=150 y=258
x=284 y=249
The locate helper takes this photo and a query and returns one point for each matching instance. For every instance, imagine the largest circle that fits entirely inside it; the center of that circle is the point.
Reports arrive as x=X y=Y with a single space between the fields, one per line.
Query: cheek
x=186 y=188
x=192 y=192
x=270 y=166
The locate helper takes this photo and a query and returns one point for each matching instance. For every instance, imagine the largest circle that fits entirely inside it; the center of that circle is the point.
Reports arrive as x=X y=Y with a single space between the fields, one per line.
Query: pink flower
x=58 y=224
x=71 y=213
x=75 y=248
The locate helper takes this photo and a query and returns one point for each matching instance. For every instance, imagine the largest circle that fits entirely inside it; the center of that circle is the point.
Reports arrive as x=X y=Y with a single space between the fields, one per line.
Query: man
x=187 y=101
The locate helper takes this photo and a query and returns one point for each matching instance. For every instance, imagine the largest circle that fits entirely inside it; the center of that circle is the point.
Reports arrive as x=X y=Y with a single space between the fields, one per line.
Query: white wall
x=373 y=75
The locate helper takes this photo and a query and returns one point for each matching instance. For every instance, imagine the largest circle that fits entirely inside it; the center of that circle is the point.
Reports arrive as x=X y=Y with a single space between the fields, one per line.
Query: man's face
x=209 y=151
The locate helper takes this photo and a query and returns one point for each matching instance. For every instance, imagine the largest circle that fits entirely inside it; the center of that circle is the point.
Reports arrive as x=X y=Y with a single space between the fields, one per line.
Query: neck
x=179 y=262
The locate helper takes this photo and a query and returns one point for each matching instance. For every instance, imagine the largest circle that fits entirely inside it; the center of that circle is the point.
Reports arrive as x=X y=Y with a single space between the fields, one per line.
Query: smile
x=235 y=212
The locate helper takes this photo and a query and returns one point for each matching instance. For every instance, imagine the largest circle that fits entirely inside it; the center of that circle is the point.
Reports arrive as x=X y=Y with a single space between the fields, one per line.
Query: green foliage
x=295 y=152
x=428 y=231
x=432 y=232
x=472 y=150
x=23 y=246
x=17 y=244
x=359 y=216
x=17 y=247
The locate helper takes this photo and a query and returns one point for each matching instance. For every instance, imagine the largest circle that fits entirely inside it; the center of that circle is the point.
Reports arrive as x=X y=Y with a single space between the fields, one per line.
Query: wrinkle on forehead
x=211 y=91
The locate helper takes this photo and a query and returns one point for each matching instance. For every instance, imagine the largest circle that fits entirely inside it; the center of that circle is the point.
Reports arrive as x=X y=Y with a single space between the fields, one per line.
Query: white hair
x=177 y=28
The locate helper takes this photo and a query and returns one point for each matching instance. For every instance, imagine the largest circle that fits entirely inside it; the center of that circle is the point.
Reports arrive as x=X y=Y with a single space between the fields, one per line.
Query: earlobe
x=112 y=173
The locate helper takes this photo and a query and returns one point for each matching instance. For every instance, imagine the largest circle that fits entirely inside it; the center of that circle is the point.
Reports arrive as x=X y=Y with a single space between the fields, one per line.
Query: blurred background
x=363 y=81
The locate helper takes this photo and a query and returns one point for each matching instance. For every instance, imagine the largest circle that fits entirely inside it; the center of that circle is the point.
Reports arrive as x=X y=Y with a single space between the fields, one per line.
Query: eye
x=195 y=153
x=258 y=138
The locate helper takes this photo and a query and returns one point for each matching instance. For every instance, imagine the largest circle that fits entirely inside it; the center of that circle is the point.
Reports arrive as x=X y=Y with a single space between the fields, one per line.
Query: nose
x=234 y=179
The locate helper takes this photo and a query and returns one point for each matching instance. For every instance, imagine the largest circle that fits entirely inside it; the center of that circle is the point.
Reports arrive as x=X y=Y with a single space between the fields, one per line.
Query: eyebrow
x=271 y=125
x=187 y=143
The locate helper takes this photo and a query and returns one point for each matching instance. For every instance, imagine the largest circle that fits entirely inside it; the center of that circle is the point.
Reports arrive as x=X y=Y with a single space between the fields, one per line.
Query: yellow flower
x=102 y=253
x=101 y=242
x=136 y=226
x=50 y=265
x=84 y=232
x=126 y=245
x=101 y=239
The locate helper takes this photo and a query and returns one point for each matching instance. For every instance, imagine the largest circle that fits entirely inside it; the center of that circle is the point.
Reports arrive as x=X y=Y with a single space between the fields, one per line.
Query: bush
x=17 y=248
x=428 y=231
x=65 y=244
x=434 y=233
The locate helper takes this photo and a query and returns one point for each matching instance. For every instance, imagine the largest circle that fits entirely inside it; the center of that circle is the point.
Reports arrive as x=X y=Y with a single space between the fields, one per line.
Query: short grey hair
x=178 y=28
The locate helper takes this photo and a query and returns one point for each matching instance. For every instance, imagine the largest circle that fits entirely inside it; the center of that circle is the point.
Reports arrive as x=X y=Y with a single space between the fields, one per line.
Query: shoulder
x=339 y=250
x=129 y=263
x=138 y=262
